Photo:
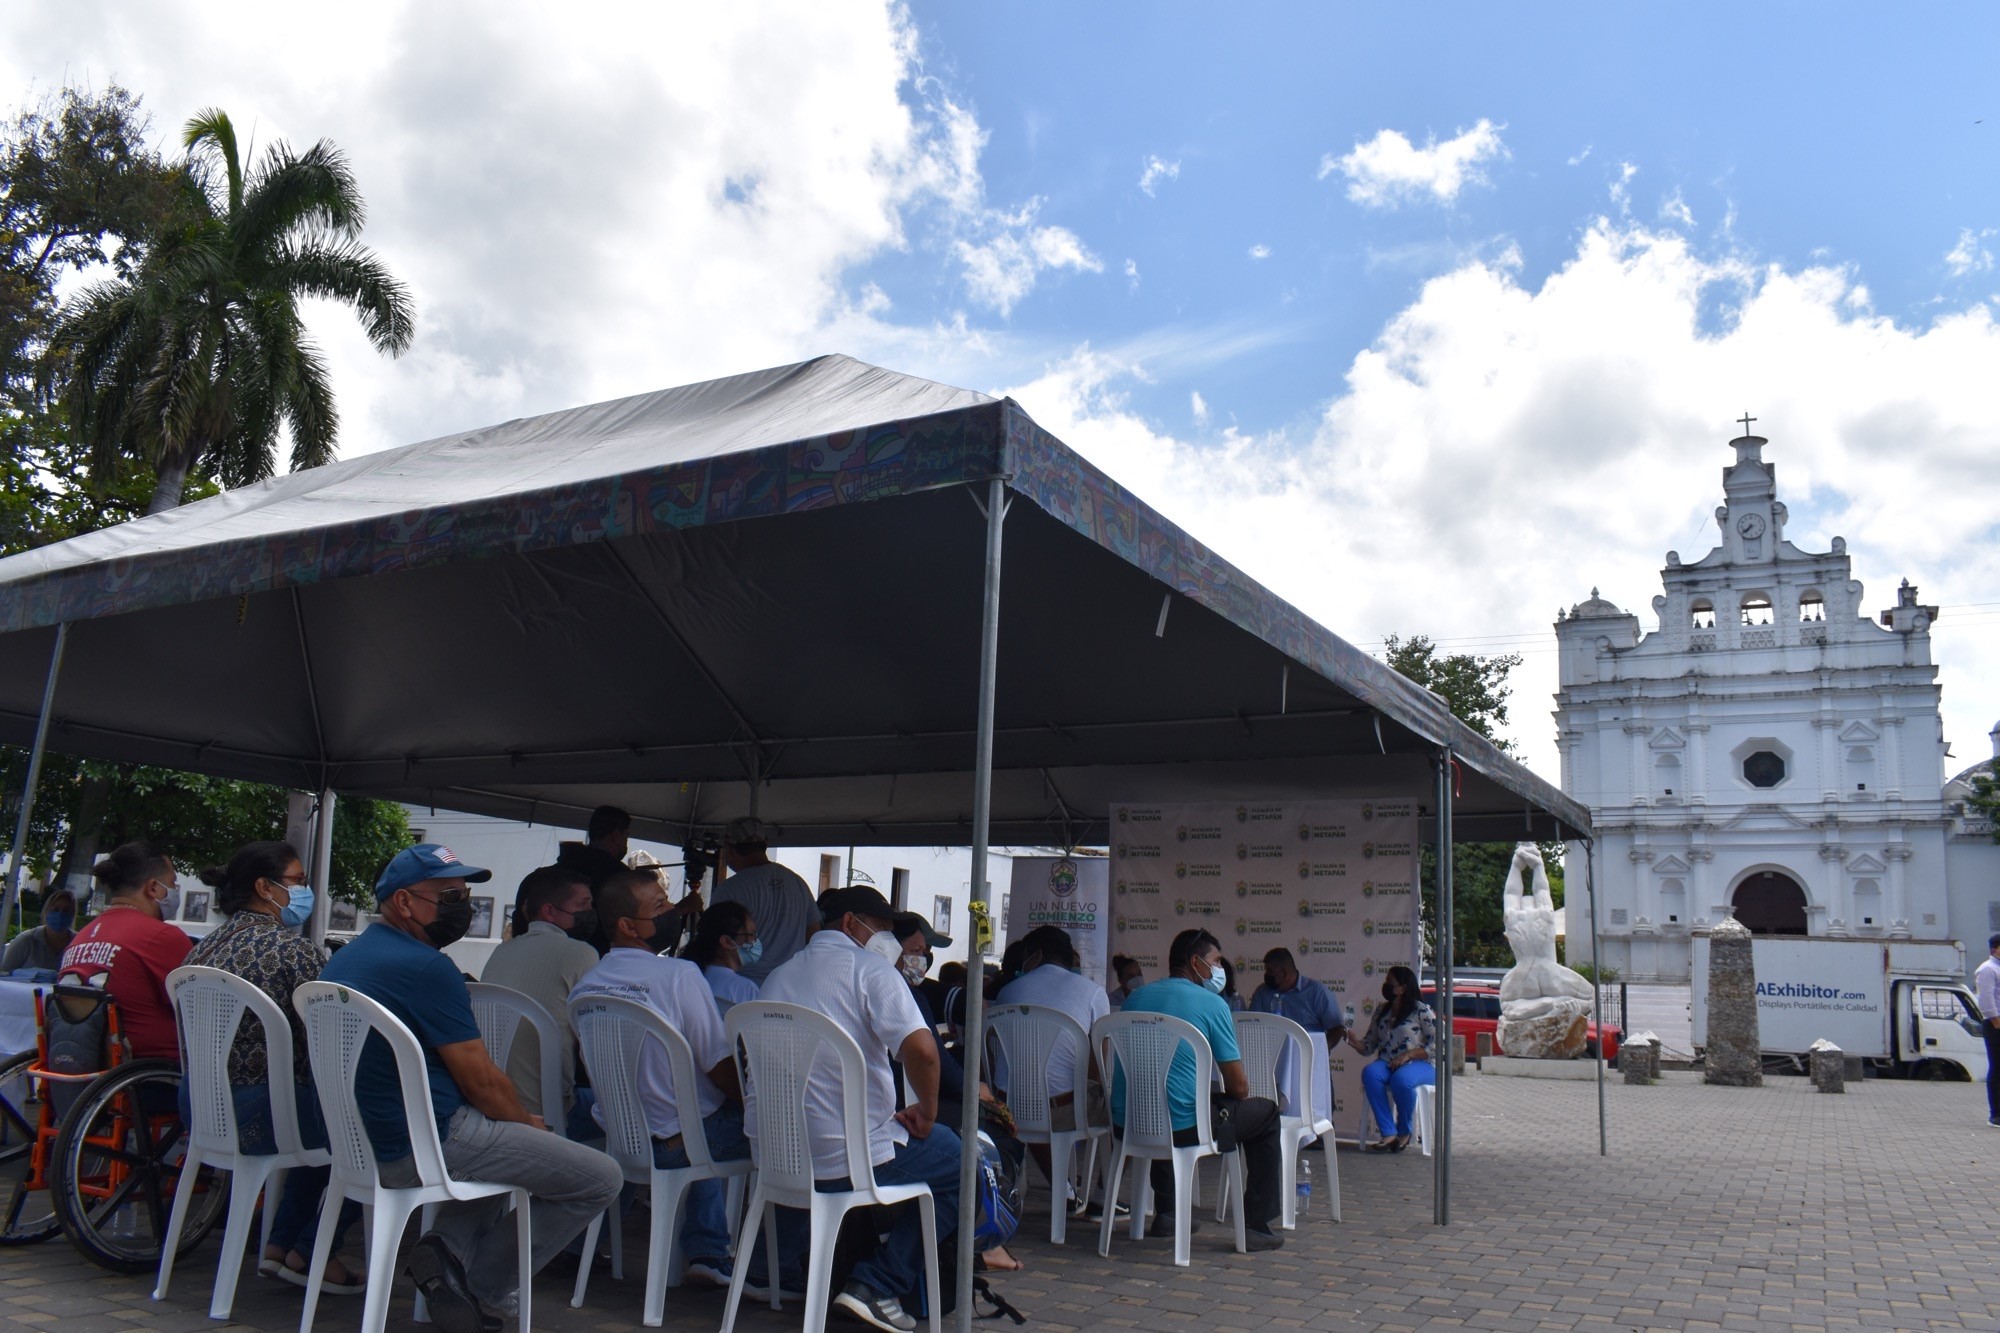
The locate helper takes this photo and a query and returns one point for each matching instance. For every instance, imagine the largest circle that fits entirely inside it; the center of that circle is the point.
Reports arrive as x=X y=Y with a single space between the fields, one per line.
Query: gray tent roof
x=652 y=602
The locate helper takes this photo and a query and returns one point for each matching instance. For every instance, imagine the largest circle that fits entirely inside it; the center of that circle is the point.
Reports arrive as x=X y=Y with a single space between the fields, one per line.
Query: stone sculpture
x=1544 y=1006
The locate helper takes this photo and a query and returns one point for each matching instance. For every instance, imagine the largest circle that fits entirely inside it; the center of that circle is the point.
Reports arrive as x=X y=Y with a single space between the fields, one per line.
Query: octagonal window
x=1764 y=768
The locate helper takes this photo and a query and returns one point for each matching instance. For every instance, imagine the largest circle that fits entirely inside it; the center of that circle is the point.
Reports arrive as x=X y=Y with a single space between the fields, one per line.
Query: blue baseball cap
x=426 y=860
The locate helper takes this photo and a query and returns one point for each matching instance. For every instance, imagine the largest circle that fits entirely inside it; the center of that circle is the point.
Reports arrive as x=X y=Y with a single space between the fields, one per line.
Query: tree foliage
x=1985 y=796
x=1476 y=690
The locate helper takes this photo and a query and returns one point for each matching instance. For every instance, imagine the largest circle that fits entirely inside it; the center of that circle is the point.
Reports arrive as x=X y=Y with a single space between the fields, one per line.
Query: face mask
x=583 y=925
x=453 y=920
x=1388 y=992
x=885 y=946
x=170 y=906
x=298 y=908
x=59 y=922
x=911 y=965
x=663 y=924
x=1133 y=985
x=748 y=954
x=1216 y=980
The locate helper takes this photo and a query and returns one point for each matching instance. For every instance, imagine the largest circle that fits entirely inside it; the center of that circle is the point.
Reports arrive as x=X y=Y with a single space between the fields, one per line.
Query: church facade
x=1772 y=751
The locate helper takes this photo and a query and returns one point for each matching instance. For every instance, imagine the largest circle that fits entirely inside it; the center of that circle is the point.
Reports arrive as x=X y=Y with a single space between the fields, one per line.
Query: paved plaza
x=1717 y=1209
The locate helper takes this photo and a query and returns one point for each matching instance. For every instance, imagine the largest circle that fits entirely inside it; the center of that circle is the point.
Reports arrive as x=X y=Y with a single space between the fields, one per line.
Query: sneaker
x=862 y=1302
x=709 y=1272
x=1255 y=1241
x=759 y=1289
x=1993 y=1120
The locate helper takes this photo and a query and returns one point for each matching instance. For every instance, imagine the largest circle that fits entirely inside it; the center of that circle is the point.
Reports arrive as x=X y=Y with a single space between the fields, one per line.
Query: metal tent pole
x=40 y=747
x=1441 y=1131
x=320 y=867
x=1596 y=991
x=975 y=970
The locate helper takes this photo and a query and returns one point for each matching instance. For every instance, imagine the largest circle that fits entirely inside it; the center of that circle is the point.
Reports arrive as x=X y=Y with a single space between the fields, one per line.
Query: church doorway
x=1770 y=902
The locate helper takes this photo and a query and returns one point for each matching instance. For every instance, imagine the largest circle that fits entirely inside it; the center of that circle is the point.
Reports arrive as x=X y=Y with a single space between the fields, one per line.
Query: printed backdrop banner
x=1333 y=881
x=1073 y=893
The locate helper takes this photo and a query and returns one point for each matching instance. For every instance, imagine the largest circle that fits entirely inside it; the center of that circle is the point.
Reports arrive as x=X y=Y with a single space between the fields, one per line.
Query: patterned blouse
x=258 y=948
x=1388 y=1038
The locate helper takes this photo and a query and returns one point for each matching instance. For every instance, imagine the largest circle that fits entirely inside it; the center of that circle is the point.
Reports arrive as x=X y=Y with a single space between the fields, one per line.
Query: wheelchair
x=91 y=1140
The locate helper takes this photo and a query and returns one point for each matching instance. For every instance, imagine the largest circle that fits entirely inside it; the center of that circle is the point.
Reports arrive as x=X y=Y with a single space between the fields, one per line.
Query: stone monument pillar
x=1735 y=1057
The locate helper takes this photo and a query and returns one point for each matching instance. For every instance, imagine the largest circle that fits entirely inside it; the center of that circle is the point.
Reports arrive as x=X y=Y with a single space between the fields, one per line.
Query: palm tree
x=197 y=361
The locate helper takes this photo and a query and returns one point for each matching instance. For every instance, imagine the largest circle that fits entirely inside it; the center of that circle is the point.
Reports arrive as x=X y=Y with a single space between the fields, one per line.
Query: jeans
x=295 y=1223
x=568 y=1184
x=1992 y=1035
x=1256 y=1122
x=705 y=1225
x=581 y=1126
x=1381 y=1083
x=897 y=1265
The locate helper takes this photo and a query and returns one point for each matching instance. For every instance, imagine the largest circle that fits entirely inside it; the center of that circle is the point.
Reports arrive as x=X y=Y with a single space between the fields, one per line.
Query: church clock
x=1751 y=526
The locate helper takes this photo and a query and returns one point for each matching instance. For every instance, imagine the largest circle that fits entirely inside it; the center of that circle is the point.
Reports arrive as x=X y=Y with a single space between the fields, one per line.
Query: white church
x=1771 y=751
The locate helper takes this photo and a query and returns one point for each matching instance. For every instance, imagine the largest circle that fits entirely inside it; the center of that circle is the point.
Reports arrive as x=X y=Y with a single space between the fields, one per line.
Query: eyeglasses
x=444 y=896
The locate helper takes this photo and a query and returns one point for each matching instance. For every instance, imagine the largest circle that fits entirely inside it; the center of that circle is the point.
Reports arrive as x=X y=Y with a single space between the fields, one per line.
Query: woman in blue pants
x=1400 y=1039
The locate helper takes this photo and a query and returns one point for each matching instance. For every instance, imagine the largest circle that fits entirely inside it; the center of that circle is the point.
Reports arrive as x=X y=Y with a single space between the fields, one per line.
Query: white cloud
x=1199 y=406
x=1132 y=273
x=1506 y=444
x=1581 y=156
x=1003 y=269
x=1621 y=189
x=1260 y=251
x=1157 y=169
x=1675 y=209
x=1389 y=170
x=1970 y=255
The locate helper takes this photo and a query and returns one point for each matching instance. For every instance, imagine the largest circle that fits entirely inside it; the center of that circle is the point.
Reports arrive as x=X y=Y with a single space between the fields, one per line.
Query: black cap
x=859 y=899
x=907 y=924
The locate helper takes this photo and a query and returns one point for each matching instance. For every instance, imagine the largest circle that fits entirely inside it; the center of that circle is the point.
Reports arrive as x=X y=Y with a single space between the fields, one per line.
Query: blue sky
x=1431 y=319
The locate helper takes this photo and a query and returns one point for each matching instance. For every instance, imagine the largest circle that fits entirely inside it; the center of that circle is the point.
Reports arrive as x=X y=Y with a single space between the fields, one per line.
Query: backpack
x=998 y=1186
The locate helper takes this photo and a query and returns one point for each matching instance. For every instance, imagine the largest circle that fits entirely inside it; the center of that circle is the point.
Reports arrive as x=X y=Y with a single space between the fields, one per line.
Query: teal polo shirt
x=1180 y=998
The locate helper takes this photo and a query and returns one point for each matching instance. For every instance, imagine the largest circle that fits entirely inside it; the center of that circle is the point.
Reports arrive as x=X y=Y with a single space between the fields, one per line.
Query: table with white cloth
x=1288 y=1077
x=17 y=1014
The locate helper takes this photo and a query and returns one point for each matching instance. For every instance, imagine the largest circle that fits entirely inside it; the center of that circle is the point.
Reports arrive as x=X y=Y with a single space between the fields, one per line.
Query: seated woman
x=1400 y=1039
x=41 y=949
x=265 y=892
x=725 y=942
x=128 y=949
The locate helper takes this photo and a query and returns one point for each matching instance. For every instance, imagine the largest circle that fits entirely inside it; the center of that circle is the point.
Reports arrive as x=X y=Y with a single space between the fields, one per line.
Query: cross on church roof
x=1746 y=419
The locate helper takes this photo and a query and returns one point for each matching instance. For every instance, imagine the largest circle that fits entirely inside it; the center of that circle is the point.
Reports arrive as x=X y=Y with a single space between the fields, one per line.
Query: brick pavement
x=1765 y=1208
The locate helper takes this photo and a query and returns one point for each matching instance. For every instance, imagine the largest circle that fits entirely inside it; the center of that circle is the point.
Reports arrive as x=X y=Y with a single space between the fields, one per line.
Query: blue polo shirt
x=1308 y=1003
x=1180 y=998
x=421 y=986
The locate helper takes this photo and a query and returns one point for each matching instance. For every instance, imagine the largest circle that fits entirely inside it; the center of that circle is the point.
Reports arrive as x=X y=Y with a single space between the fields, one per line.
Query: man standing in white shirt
x=1986 y=982
x=636 y=914
x=847 y=971
x=777 y=899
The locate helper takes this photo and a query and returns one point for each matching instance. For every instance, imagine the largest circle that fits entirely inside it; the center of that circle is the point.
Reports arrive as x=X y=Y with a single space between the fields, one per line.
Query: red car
x=1475 y=1008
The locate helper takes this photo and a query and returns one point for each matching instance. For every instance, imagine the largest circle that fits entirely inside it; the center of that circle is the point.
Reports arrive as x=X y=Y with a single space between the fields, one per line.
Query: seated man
x=1192 y=992
x=40 y=948
x=422 y=906
x=1305 y=1001
x=636 y=913
x=847 y=971
x=1049 y=979
x=544 y=962
x=128 y=949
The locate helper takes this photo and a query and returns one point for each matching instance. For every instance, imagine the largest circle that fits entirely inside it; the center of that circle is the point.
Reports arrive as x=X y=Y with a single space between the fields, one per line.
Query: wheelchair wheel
x=27 y=1216
x=117 y=1164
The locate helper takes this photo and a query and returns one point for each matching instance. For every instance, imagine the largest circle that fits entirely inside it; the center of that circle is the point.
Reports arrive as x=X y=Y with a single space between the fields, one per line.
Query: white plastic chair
x=1143 y=1047
x=1426 y=1115
x=338 y=1023
x=1263 y=1038
x=1028 y=1036
x=776 y=1046
x=209 y=1006
x=613 y=1034
x=500 y=1011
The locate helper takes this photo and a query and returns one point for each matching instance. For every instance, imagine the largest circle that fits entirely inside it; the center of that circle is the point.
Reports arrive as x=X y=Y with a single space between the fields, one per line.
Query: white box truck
x=1900 y=1005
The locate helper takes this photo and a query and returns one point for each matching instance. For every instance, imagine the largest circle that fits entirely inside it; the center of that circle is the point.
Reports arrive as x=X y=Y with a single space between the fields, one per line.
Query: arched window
x=1812 y=606
x=1770 y=903
x=1703 y=613
x=1756 y=607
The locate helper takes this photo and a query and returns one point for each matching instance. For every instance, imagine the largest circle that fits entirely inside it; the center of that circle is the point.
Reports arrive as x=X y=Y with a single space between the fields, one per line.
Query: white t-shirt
x=783 y=908
x=672 y=988
x=1058 y=988
x=730 y=986
x=872 y=1003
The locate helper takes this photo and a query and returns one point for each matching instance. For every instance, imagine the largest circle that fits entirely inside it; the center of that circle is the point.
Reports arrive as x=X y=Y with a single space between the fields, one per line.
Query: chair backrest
x=613 y=1034
x=500 y=1011
x=209 y=1007
x=1142 y=1047
x=1030 y=1036
x=776 y=1046
x=339 y=1022
x=1263 y=1038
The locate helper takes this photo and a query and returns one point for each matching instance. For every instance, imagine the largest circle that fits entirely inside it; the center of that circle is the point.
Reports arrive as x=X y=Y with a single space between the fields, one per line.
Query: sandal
x=355 y=1285
x=1381 y=1145
x=1400 y=1142
x=1001 y=1262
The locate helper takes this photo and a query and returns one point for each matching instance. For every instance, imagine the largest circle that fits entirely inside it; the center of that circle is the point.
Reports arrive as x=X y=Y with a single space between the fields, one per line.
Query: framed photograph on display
x=941 y=913
x=482 y=919
x=196 y=907
x=343 y=917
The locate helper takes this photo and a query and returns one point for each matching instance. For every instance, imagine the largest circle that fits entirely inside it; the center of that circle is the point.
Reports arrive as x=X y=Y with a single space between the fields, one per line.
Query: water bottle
x=1305 y=1184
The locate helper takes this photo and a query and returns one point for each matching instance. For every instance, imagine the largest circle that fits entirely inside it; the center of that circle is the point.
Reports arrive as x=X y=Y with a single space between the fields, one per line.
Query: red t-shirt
x=138 y=951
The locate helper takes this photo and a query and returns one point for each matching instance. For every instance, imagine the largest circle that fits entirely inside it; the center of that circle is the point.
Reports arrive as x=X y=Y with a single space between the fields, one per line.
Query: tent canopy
x=770 y=581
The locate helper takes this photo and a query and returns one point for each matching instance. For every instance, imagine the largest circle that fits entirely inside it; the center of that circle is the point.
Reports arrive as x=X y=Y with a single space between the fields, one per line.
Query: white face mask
x=170 y=906
x=911 y=965
x=887 y=946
